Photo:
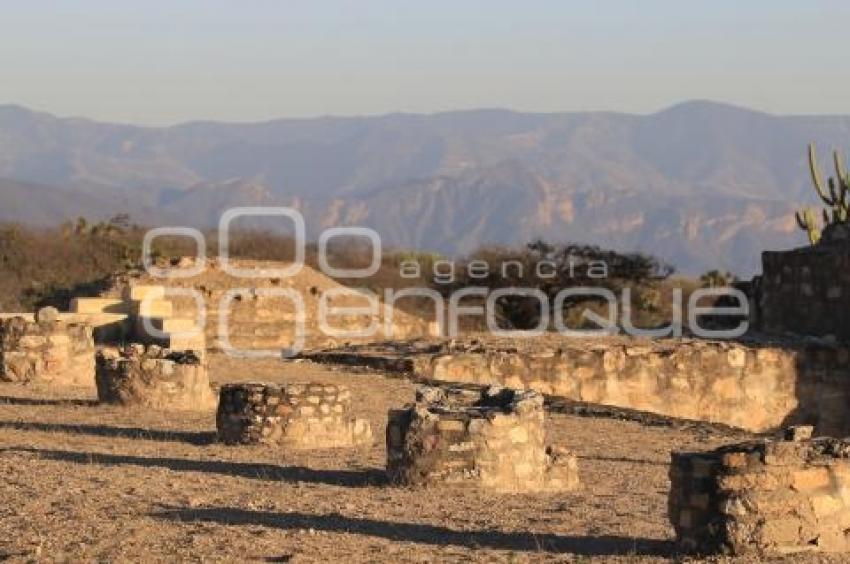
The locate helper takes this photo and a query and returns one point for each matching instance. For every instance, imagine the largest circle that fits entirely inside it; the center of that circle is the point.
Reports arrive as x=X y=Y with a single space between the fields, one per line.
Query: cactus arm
x=840 y=170
x=808 y=223
x=833 y=195
x=817 y=179
x=813 y=230
x=800 y=221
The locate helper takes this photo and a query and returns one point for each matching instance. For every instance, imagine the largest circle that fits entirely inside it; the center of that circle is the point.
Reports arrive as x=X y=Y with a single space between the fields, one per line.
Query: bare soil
x=82 y=482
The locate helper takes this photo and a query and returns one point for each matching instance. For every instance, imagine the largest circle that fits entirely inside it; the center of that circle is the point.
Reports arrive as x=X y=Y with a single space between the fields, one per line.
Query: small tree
x=717 y=279
x=566 y=266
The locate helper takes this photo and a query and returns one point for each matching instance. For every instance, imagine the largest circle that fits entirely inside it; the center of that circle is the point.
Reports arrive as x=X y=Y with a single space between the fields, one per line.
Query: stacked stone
x=47 y=351
x=496 y=441
x=298 y=415
x=764 y=498
x=155 y=378
x=805 y=290
x=258 y=321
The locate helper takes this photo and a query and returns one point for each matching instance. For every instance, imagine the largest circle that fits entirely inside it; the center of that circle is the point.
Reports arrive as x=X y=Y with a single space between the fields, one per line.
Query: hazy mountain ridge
x=701 y=184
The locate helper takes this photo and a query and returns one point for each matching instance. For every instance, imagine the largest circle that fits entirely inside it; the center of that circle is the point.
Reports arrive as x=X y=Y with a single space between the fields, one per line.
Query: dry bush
x=49 y=266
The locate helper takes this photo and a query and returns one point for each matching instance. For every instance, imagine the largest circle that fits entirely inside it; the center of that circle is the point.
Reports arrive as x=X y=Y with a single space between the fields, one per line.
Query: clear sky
x=162 y=62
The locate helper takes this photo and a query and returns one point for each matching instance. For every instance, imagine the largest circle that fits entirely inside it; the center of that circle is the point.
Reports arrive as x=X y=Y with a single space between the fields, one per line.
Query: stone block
x=153 y=308
x=143 y=292
x=98 y=306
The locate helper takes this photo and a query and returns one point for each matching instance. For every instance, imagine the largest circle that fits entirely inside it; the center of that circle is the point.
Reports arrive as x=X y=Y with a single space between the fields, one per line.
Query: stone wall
x=806 y=291
x=766 y=498
x=755 y=385
x=495 y=440
x=155 y=378
x=309 y=415
x=49 y=351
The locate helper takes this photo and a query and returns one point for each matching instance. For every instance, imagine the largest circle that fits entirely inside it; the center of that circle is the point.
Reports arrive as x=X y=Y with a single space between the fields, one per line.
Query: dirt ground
x=81 y=482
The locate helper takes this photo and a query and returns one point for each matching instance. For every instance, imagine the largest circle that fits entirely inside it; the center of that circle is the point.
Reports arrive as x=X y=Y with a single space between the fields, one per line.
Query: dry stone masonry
x=142 y=314
x=753 y=387
x=495 y=439
x=259 y=318
x=806 y=291
x=763 y=498
x=46 y=351
x=308 y=415
x=155 y=378
x=757 y=385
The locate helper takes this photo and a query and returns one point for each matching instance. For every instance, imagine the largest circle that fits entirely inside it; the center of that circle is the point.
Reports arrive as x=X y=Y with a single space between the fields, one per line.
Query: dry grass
x=83 y=482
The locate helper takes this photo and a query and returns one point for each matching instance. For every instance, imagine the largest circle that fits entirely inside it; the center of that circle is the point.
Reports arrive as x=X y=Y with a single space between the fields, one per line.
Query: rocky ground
x=81 y=482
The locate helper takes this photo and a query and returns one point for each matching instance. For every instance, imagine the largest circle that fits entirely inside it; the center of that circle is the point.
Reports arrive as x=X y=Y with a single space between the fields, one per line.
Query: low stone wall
x=155 y=378
x=766 y=498
x=46 y=351
x=310 y=415
x=757 y=385
x=495 y=440
x=806 y=291
x=754 y=385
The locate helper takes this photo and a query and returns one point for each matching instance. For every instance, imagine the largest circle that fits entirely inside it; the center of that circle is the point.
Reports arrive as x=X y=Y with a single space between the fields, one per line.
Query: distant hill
x=703 y=185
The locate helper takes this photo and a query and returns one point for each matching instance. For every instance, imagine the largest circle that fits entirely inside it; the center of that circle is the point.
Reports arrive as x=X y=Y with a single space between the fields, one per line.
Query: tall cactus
x=834 y=193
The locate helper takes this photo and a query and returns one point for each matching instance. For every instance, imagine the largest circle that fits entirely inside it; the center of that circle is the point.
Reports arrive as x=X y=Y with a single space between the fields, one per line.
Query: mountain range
x=700 y=184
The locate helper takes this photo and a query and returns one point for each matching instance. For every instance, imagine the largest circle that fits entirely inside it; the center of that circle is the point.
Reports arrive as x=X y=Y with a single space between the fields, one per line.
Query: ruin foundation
x=764 y=498
x=155 y=378
x=309 y=415
x=757 y=385
x=46 y=351
x=260 y=319
x=494 y=439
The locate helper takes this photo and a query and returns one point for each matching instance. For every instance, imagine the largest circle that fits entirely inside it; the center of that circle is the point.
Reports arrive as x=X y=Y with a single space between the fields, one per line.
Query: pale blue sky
x=162 y=62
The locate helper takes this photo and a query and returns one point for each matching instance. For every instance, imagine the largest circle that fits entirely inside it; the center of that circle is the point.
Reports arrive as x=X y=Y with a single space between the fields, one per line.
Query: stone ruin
x=757 y=384
x=258 y=317
x=296 y=415
x=763 y=498
x=155 y=378
x=494 y=439
x=46 y=351
x=805 y=291
x=140 y=314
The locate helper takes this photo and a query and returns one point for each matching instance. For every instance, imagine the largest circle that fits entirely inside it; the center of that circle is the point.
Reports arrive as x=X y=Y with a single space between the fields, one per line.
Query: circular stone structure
x=763 y=498
x=494 y=439
x=296 y=415
x=48 y=351
x=154 y=377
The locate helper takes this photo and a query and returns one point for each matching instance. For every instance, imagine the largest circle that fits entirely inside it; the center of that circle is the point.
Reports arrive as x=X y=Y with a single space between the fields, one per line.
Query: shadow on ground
x=625 y=460
x=601 y=545
x=195 y=438
x=257 y=471
x=11 y=400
